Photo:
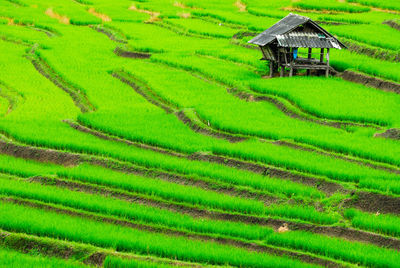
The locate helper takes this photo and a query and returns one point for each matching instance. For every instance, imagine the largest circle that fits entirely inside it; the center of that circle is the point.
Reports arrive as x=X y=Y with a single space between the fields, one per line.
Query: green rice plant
x=337 y=99
x=137 y=212
x=343 y=59
x=382 y=223
x=193 y=195
x=54 y=140
x=11 y=258
x=378 y=3
x=74 y=11
x=25 y=168
x=255 y=123
x=50 y=224
x=329 y=5
x=355 y=252
x=163 y=189
x=205 y=28
x=384 y=185
x=379 y=35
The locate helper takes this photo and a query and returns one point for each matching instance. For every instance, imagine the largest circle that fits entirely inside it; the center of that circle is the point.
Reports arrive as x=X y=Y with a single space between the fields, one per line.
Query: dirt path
x=42 y=155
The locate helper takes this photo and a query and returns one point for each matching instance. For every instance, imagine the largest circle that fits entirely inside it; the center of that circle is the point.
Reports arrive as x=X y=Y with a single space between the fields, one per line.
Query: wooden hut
x=282 y=45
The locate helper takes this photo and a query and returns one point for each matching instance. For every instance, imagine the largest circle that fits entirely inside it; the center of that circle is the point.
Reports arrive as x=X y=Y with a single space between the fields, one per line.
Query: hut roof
x=284 y=32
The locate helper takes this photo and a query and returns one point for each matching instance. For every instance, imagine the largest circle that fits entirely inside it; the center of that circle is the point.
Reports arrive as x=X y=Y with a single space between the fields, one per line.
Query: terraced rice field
x=146 y=134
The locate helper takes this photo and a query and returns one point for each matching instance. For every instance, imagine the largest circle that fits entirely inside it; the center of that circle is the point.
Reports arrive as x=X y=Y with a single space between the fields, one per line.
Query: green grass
x=329 y=5
x=11 y=258
x=379 y=3
x=382 y=223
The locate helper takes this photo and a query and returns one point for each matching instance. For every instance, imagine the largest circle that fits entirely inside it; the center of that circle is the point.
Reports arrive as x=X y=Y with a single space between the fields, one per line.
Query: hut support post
x=291 y=70
x=321 y=59
x=309 y=58
x=271 y=68
x=327 y=63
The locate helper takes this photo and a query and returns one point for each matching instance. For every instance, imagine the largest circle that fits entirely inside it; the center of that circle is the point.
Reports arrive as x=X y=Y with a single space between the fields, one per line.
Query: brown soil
x=79 y=98
x=374 y=202
x=371 y=81
x=242 y=34
x=393 y=133
x=207 y=131
x=341 y=157
x=392 y=24
x=42 y=155
x=131 y=54
x=330 y=22
x=109 y=33
x=98 y=257
x=47 y=32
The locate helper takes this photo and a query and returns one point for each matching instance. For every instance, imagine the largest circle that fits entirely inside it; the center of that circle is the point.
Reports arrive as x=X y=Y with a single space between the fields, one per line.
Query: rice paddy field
x=147 y=133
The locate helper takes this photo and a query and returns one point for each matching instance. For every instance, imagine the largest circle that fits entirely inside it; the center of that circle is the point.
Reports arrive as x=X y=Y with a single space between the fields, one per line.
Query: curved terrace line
x=79 y=98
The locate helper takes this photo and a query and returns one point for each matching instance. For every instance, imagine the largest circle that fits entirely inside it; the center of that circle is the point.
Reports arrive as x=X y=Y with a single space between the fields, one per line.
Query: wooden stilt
x=321 y=59
x=327 y=63
x=271 y=68
x=281 y=72
x=309 y=57
x=291 y=71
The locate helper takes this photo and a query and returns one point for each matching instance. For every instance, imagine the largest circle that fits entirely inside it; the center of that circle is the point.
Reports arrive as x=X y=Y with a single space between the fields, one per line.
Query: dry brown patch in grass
x=101 y=16
x=62 y=19
x=154 y=16
x=181 y=5
x=184 y=15
x=242 y=7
